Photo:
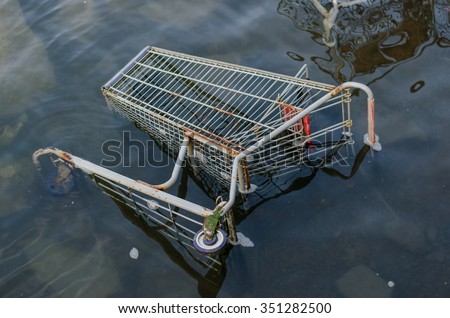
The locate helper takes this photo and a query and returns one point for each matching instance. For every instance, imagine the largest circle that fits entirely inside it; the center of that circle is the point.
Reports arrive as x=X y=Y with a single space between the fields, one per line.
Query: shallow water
x=327 y=236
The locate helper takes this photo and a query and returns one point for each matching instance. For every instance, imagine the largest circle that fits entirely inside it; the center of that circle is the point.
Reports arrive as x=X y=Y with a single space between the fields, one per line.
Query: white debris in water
x=152 y=205
x=134 y=253
x=243 y=240
x=391 y=283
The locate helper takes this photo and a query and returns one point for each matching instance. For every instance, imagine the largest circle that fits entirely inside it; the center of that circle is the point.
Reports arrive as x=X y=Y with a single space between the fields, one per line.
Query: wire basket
x=234 y=124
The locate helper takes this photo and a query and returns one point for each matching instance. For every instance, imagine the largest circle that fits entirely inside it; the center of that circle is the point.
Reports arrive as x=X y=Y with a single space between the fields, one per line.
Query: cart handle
x=370 y=138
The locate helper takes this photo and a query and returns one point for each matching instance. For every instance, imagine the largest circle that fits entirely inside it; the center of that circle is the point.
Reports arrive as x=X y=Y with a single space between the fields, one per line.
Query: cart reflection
x=364 y=35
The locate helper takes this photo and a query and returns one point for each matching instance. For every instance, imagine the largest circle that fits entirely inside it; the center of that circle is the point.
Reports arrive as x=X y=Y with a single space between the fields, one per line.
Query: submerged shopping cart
x=234 y=124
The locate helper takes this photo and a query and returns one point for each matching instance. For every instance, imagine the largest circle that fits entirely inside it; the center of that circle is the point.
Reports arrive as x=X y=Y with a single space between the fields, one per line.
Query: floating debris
x=134 y=253
x=152 y=205
x=391 y=283
x=243 y=240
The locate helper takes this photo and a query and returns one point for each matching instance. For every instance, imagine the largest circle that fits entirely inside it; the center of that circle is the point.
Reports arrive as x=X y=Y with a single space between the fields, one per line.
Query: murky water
x=328 y=236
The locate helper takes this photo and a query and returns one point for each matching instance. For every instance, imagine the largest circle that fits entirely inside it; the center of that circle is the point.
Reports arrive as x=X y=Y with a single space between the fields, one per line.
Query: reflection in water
x=442 y=21
x=417 y=86
x=365 y=35
x=295 y=56
x=209 y=279
x=339 y=156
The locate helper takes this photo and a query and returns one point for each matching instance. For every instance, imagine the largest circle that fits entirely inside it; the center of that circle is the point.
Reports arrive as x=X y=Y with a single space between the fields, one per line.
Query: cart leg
x=191 y=157
x=244 y=185
x=190 y=149
x=229 y=216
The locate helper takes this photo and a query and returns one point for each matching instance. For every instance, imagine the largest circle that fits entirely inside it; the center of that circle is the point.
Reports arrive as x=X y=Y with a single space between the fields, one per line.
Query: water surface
x=326 y=236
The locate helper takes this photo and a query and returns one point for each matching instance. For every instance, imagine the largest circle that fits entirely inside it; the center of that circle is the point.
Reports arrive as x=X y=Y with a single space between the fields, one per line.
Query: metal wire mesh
x=171 y=221
x=227 y=107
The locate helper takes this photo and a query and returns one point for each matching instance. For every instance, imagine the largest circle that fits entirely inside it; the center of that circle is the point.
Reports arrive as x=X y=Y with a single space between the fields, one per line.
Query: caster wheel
x=204 y=246
x=59 y=189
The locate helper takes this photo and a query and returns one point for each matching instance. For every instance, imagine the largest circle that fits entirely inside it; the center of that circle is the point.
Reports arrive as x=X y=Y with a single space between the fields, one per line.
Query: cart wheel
x=61 y=188
x=204 y=246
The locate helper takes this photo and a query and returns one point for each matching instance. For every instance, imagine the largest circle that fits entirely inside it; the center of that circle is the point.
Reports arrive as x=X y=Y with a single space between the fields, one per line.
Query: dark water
x=329 y=237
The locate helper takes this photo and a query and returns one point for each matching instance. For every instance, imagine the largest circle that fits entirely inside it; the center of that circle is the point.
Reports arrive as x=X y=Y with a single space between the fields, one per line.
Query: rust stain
x=66 y=156
x=223 y=142
x=157 y=187
x=336 y=90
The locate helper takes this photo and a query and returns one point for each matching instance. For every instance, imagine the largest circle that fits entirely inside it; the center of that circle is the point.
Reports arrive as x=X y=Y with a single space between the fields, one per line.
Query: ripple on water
x=57 y=266
x=16 y=176
x=10 y=126
x=174 y=12
x=28 y=72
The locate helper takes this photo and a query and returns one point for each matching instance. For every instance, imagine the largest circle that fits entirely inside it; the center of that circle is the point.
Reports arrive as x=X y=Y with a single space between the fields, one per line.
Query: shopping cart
x=232 y=123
